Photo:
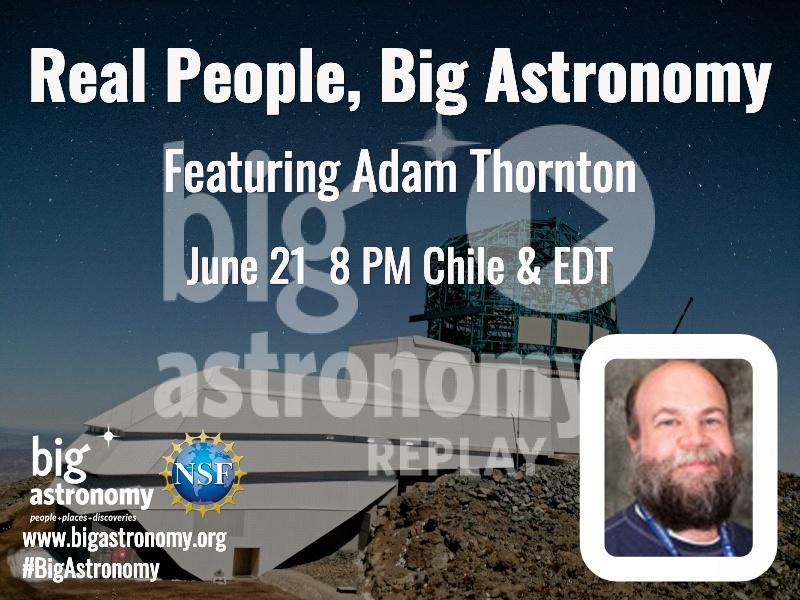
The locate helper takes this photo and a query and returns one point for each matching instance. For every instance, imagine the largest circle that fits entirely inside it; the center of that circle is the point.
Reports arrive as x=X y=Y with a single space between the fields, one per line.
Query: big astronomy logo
x=203 y=473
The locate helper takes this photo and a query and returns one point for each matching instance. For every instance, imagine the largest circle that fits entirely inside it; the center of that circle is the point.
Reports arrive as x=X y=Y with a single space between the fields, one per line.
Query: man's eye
x=667 y=423
x=713 y=421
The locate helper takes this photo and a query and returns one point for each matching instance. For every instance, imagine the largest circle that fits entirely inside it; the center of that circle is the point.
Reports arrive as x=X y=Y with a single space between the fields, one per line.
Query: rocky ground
x=341 y=569
x=517 y=537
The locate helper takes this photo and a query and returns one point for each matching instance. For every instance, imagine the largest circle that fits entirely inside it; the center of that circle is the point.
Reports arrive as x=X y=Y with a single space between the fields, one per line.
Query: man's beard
x=693 y=500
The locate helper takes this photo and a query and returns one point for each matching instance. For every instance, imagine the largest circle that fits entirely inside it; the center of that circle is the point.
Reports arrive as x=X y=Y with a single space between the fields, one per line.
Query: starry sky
x=81 y=238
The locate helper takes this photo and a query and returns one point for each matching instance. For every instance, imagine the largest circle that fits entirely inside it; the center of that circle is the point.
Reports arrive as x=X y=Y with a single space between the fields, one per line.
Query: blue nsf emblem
x=203 y=473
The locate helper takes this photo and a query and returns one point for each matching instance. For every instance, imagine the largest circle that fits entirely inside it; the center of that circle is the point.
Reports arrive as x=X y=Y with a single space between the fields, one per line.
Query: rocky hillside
x=517 y=537
x=11 y=493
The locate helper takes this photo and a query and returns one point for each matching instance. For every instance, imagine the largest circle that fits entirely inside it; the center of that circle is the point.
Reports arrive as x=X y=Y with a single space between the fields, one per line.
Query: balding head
x=674 y=377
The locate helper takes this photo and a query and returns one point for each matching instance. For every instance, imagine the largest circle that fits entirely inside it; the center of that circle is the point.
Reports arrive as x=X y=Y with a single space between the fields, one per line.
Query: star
x=439 y=141
x=108 y=436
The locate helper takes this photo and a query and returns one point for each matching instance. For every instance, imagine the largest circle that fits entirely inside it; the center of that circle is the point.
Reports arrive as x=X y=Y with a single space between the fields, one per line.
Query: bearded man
x=685 y=471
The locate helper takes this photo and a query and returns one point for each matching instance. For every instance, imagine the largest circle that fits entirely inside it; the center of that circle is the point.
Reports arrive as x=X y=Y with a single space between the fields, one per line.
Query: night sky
x=81 y=238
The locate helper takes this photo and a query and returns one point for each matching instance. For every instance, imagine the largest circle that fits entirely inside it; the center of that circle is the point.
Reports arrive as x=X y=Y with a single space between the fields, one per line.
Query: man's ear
x=632 y=442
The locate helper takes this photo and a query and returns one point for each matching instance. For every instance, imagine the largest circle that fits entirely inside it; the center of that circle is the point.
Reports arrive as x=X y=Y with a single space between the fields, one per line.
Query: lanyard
x=666 y=540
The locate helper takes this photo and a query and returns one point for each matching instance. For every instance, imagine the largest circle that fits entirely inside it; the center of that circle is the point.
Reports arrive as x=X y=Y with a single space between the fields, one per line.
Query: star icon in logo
x=108 y=436
x=439 y=141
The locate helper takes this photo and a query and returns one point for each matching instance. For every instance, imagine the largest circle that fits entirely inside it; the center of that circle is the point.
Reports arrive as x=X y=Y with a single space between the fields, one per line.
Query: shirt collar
x=676 y=536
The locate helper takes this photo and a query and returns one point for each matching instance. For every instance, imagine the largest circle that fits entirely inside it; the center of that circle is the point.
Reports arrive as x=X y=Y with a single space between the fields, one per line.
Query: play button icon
x=625 y=203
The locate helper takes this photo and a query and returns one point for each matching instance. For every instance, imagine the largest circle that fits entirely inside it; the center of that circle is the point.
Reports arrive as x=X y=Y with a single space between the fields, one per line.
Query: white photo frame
x=592 y=457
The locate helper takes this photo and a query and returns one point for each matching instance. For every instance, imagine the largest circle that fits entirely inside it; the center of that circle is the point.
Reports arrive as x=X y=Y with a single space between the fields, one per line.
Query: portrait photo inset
x=678 y=458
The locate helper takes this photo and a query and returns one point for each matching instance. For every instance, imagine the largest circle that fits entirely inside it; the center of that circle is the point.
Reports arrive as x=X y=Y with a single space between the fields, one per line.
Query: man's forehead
x=680 y=384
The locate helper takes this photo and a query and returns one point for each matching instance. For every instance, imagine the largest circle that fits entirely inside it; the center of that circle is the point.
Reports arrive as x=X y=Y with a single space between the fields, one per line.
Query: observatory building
x=308 y=444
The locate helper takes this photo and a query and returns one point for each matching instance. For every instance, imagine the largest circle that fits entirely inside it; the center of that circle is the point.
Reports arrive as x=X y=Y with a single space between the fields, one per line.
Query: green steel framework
x=481 y=318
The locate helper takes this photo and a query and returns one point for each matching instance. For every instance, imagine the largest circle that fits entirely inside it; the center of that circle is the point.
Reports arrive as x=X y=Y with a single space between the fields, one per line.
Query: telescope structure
x=554 y=322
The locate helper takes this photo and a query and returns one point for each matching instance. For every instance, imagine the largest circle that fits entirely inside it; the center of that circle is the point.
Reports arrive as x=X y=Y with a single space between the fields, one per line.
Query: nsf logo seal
x=202 y=473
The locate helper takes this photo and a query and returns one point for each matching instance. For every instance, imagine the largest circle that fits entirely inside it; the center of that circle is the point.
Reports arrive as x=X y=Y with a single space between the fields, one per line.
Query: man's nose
x=693 y=436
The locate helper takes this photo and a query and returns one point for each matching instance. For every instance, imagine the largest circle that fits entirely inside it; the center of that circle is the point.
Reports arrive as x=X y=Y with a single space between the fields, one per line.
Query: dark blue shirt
x=628 y=534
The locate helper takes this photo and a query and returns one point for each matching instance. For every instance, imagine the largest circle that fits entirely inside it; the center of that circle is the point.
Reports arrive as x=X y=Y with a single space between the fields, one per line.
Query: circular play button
x=591 y=167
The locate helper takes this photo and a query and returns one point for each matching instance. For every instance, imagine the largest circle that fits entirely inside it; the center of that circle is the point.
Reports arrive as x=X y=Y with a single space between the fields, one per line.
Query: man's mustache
x=707 y=455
